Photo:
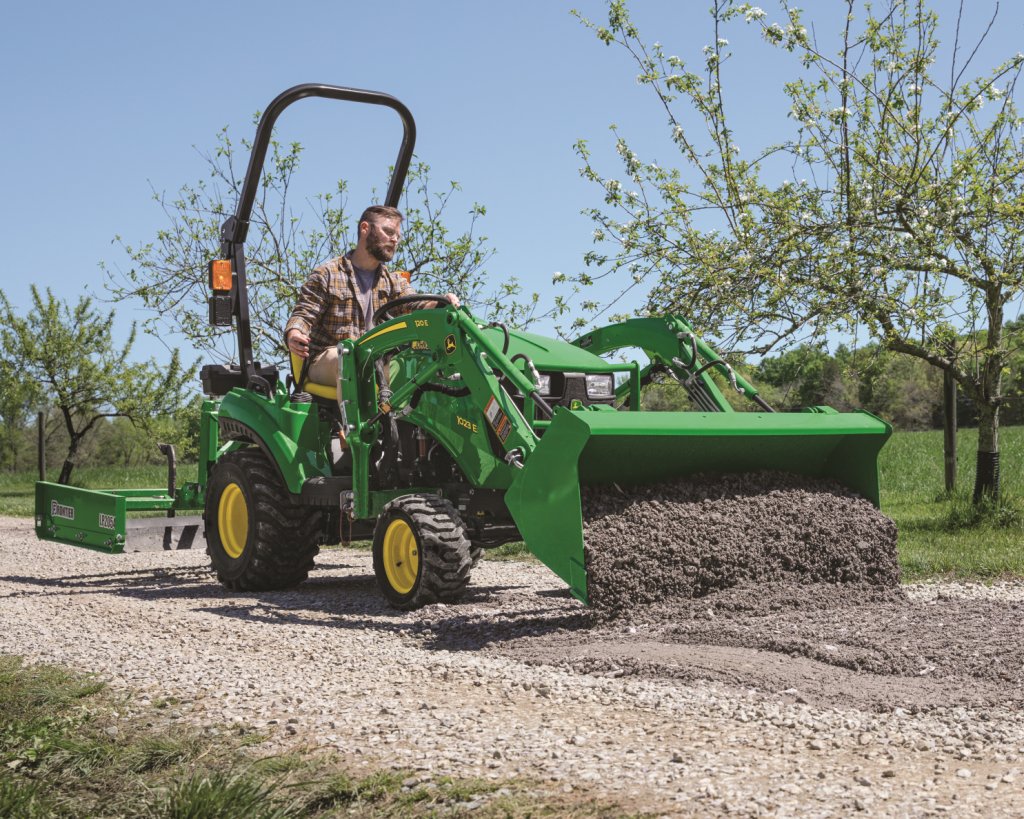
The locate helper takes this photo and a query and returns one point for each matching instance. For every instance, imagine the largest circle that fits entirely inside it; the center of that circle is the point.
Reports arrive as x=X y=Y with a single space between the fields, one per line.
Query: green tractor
x=447 y=436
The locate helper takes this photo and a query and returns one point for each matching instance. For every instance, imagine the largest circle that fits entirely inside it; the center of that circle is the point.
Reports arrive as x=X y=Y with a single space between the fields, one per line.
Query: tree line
x=902 y=390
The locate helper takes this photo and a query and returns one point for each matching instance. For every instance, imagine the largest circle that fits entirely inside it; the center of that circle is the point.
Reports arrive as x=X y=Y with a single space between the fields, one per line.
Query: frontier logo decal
x=58 y=510
x=449 y=344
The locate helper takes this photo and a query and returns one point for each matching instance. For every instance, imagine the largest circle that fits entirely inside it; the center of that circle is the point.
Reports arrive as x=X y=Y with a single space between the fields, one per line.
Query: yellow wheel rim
x=401 y=557
x=233 y=520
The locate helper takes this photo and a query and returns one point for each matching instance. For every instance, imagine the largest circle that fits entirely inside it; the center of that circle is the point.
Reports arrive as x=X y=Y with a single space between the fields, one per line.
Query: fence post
x=41 y=424
x=949 y=429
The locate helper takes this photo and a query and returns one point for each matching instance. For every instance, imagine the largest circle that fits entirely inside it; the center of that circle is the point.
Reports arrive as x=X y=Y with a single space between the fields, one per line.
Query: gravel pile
x=648 y=544
x=446 y=691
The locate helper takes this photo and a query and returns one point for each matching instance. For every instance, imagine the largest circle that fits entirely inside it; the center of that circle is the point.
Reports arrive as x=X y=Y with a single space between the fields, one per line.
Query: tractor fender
x=290 y=435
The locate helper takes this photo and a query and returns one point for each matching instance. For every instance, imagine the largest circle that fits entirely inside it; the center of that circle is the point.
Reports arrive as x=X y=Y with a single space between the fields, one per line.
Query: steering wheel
x=383 y=310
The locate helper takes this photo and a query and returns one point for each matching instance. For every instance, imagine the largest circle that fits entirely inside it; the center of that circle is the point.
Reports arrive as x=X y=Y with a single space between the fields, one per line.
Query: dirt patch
x=775 y=582
x=648 y=544
x=858 y=646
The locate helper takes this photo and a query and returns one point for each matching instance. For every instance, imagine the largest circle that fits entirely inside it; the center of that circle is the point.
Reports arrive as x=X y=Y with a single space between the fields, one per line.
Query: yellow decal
x=382 y=332
x=422 y=323
x=449 y=344
x=420 y=345
x=575 y=404
x=464 y=423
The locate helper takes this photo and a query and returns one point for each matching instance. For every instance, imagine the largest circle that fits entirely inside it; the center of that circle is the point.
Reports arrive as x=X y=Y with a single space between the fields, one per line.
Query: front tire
x=421 y=553
x=257 y=539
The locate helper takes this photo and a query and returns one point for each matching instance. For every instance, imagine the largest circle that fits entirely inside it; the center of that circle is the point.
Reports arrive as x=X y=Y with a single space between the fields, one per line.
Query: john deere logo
x=575 y=404
x=449 y=344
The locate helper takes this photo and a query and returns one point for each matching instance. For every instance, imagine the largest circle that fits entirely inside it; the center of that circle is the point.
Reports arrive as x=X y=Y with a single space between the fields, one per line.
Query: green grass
x=17 y=489
x=57 y=760
x=933 y=539
x=932 y=543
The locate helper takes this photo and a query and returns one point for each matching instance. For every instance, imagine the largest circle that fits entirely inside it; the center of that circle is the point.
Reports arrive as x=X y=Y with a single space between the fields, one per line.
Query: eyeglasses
x=391 y=233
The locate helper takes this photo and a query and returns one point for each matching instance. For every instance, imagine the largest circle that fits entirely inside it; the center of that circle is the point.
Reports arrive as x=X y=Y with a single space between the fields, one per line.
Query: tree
x=71 y=354
x=17 y=398
x=170 y=277
x=907 y=224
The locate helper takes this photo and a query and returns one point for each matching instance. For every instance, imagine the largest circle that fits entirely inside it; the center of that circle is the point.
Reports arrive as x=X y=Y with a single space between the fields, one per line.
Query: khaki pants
x=324 y=368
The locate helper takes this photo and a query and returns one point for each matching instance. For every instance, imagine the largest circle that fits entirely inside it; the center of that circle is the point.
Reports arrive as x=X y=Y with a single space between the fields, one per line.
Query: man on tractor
x=340 y=296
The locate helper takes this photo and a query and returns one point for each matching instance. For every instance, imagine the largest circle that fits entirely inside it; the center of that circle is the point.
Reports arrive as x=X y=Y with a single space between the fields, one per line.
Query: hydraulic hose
x=504 y=329
x=535 y=395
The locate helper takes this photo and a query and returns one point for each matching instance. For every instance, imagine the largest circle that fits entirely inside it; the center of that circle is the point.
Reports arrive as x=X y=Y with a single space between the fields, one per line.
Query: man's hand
x=297 y=343
x=454 y=301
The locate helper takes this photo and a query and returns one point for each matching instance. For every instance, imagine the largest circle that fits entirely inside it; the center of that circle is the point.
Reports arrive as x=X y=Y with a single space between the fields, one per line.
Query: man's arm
x=308 y=310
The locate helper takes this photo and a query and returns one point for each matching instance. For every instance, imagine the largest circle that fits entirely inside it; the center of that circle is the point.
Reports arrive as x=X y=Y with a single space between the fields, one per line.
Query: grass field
x=17 y=489
x=911 y=468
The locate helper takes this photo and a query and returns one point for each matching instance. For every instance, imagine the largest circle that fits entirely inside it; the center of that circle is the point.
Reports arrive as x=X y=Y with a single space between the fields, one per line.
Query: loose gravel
x=447 y=690
x=691 y=537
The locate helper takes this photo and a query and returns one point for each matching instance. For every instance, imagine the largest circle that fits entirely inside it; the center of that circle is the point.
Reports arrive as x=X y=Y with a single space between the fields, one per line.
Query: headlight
x=544 y=385
x=600 y=386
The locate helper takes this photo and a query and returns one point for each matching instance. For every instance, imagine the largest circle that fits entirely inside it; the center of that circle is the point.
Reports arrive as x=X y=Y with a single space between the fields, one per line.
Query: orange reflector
x=220 y=274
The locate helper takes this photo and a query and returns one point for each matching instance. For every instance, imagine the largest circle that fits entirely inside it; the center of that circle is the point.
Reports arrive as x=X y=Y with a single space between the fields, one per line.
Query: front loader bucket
x=648 y=447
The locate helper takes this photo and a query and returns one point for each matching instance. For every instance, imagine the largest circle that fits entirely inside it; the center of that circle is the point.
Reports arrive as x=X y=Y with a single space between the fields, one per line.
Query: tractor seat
x=319 y=390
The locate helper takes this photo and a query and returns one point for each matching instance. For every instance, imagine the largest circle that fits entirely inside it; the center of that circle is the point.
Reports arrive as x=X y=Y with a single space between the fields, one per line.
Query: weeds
x=156 y=753
x=223 y=795
x=1004 y=512
x=508 y=551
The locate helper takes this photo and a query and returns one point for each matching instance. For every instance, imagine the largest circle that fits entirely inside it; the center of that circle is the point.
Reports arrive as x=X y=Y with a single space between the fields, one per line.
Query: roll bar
x=236 y=227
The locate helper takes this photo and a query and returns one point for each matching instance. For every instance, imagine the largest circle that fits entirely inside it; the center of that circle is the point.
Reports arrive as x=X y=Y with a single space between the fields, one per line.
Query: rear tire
x=257 y=539
x=421 y=553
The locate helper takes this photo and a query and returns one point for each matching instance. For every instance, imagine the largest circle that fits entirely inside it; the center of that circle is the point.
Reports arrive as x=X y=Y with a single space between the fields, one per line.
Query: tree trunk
x=986 y=482
x=69 y=462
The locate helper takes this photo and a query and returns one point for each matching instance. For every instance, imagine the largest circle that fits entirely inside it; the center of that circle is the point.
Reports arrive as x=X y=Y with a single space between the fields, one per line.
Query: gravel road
x=475 y=689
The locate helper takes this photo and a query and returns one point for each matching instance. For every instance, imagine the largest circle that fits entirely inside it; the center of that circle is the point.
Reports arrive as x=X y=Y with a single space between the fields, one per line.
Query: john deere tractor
x=447 y=436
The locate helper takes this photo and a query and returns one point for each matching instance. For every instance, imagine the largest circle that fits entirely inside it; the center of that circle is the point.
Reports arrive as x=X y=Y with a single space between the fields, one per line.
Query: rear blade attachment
x=595 y=447
x=98 y=519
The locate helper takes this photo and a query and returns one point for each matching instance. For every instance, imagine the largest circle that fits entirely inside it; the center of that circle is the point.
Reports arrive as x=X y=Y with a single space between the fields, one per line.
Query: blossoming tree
x=909 y=226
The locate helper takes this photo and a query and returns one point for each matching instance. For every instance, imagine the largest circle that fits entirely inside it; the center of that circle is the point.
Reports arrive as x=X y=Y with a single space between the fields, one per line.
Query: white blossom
x=677 y=132
x=735 y=149
x=611 y=185
x=558 y=277
x=722 y=41
x=706 y=50
x=638 y=277
x=754 y=13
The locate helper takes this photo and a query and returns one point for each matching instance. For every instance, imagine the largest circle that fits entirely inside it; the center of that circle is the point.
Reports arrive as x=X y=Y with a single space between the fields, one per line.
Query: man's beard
x=376 y=248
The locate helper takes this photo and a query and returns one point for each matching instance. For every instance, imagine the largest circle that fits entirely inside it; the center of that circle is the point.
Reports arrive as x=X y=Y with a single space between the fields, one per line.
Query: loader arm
x=670 y=344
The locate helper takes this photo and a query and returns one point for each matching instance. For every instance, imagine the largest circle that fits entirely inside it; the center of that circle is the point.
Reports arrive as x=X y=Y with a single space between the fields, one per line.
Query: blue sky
x=104 y=99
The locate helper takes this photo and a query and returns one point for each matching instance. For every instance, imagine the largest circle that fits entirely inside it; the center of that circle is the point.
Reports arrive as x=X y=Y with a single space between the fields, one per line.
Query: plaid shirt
x=328 y=310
